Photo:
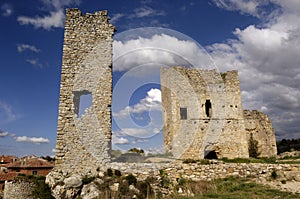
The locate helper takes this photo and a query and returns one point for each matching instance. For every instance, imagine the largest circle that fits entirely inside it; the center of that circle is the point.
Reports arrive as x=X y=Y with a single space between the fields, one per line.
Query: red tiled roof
x=31 y=163
x=7 y=176
x=7 y=159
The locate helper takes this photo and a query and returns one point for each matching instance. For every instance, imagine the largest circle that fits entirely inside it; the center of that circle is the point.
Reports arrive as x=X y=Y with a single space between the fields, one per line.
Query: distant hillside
x=288 y=145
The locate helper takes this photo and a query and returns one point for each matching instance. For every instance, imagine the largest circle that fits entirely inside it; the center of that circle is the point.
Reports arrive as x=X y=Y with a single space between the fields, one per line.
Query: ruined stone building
x=202 y=109
x=84 y=142
x=203 y=116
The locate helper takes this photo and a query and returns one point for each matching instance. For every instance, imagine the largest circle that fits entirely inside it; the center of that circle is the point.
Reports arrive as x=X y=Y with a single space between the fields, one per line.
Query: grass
x=234 y=188
x=271 y=160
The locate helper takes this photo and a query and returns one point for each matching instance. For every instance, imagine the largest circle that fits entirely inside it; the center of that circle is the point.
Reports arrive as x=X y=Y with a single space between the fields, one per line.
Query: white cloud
x=119 y=140
x=135 y=132
x=6 y=10
x=147 y=12
x=23 y=47
x=151 y=102
x=267 y=57
x=144 y=11
x=251 y=7
x=3 y=134
x=55 y=18
x=36 y=140
x=116 y=17
x=162 y=49
x=58 y=4
x=34 y=62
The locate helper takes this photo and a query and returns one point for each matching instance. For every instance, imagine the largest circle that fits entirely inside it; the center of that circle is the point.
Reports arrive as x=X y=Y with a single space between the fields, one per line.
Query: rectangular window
x=34 y=172
x=183 y=113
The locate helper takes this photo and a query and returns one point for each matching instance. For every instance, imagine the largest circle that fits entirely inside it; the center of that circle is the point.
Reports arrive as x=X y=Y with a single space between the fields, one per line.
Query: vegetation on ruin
x=41 y=189
x=253 y=147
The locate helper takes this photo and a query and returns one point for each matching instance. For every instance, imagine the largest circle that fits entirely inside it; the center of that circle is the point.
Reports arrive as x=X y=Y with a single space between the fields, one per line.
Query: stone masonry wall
x=198 y=171
x=259 y=125
x=83 y=143
x=18 y=190
x=220 y=129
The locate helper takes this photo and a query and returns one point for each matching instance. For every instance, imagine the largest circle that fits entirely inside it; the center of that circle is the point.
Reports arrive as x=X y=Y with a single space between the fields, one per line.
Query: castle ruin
x=203 y=116
x=202 y=108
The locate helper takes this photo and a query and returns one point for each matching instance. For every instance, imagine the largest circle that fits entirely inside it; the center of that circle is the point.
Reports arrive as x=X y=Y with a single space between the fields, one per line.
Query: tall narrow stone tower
x=83 y=140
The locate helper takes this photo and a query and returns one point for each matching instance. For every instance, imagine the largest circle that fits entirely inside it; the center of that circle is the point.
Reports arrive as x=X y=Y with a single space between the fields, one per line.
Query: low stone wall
x=198 y=171
x=69 y=186
x=18 y=190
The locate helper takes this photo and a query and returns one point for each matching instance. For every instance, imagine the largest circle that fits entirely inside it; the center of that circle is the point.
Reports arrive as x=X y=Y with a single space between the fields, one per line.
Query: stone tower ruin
x=202 y=113
x=203 y=116
x=84 y=142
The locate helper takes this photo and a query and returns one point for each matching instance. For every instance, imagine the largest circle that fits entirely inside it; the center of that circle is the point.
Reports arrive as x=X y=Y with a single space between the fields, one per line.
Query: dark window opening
x=34 y=172
x=183 y=113
x=208 y=110
x=211 y=155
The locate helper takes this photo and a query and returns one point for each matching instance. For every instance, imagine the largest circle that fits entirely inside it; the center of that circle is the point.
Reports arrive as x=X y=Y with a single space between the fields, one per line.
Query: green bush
x=87 y=180
x=131 y=179
x=136 y=150
x=109 y=172
x=187 y=161
x=274 y=175
x=253 y=147
x=145 y=189
x=42 y=190
x=118 y=173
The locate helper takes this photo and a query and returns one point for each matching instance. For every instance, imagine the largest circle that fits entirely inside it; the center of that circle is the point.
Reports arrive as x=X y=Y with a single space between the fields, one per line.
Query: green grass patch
x=271 y=160
x=236 y=188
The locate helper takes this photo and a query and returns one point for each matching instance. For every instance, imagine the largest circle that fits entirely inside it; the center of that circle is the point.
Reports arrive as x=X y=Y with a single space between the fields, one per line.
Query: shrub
x=42 y=190
x=274 y=175
x=145 y=189
x=118 y=173
x=164 y=180
x=131 y=179
x=187 y=161
x=109 y=172
x=253 y=147
x=87 y=180
x=136 y=150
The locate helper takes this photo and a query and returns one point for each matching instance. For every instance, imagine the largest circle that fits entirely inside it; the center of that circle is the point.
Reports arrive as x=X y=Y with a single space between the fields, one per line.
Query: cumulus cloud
x=251 y=7
x=3 y=134
x=163 y=49
x=6 y=10
x=36 y=140
x=267 y=57
x=151 y=102
x=134 y=132
x=54 y=19
x=119 y=140
x=23 y=47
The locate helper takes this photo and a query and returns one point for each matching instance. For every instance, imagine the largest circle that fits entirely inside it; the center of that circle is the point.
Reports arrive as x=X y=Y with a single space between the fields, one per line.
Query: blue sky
x=259 y=38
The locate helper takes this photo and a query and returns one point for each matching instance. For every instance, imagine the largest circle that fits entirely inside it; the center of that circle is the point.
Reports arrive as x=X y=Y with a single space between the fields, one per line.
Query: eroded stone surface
x=214 y=120
x=83 y=143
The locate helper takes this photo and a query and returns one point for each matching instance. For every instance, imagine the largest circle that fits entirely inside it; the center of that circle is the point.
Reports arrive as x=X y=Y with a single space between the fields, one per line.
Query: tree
x=253 y=147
